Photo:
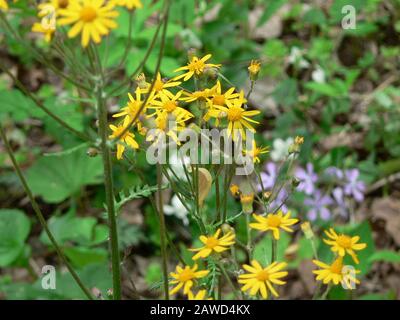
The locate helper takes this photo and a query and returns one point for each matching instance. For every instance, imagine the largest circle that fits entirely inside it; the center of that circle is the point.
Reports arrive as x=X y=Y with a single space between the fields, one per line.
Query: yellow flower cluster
x=168 y=102
x=93 y=19
x=337 y=272
x=186 y=277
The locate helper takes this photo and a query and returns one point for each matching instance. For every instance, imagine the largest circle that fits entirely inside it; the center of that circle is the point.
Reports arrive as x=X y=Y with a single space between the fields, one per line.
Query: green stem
x=109 y=188
x=228 y=278
x=40 y=216
x=274 y=246
x=326 y=292
x=249 y=240
x=162 y=232
x=42 y=107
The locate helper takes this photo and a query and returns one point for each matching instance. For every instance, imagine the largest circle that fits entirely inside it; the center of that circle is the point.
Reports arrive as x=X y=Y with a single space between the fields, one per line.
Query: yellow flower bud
x=254 y=69
x=234 y=189
x=306 y=228
x=247 y=202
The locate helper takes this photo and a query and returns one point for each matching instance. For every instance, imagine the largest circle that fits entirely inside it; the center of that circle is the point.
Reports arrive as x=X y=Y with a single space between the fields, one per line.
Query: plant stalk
x=40 y=216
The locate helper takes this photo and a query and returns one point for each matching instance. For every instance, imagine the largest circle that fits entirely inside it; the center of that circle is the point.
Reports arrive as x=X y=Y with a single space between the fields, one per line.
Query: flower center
x=235 y=113
x=274 y=221
x=344 y=241
x=211 y=242
x=63 y=4
x=186 y=275
x=262 y=275
x=88 y=14
x=170 y=106
x=219 y=100
x=196 y=65
x=337 y=266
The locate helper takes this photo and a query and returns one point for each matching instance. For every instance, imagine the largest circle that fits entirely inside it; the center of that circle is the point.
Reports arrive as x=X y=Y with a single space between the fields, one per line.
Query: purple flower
x=268 y=178
x=354 y=187
x=278 y=202
x=338 y=196
x=307 y=179
x=318 y=206
x=335 y=172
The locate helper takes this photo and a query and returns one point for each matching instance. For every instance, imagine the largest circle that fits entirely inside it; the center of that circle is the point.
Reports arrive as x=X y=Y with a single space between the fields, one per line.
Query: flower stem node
x=92 y=152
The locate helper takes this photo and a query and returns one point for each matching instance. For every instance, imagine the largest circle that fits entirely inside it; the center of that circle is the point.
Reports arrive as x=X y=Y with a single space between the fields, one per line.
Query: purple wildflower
x=318 y=206
x=307 y=179
x=278 y=202
x=338 y=195
x=268 y=177
x=353 y=186
x=335 y=172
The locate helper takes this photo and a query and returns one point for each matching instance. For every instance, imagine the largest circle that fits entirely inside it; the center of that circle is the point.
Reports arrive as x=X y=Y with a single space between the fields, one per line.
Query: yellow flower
x=238 y=118
x=131 y=110
x=201 y=95
x=274 y=222
x=127 y=138
x=234 y=189
x=169 y=104
x=3 y=5
x=254 y=69
x=299 y=140
x=92 y=18
x=335 y=273
x=129 y=4
x=214 y=244
x=47 y=32
x=52 y=7
x=196 y=67
x=185 y=277
x=343 y=244
x=222 y=99
x=159 y=85
x=256 y=151
x=201 y=295
x=259 y=279
x=165 y=124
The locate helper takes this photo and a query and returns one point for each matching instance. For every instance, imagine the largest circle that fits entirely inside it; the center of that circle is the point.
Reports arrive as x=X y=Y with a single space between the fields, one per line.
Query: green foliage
x=93 y=276
x=55 y=178
x=14 y=230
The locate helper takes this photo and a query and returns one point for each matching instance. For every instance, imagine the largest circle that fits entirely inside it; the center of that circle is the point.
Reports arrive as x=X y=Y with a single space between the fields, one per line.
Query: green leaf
x=81 y=256
x=17 y=105
x=271 y=8
x=68 y=227
x=263 y=249
x=286 y=93
x=94 y=275
x=14 y=229
x=57 y=178
x=134 y=193
x=385 y=255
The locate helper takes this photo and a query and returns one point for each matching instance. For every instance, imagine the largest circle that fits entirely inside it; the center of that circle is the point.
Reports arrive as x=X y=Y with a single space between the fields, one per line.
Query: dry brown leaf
x=388 y=209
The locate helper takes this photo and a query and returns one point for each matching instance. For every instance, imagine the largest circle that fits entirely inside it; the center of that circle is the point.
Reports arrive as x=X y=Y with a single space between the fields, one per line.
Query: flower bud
x=92 y=152
x=226 y=228
x=234 y=189
x=247 y=202
x=306 y=228
x=254 y=69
